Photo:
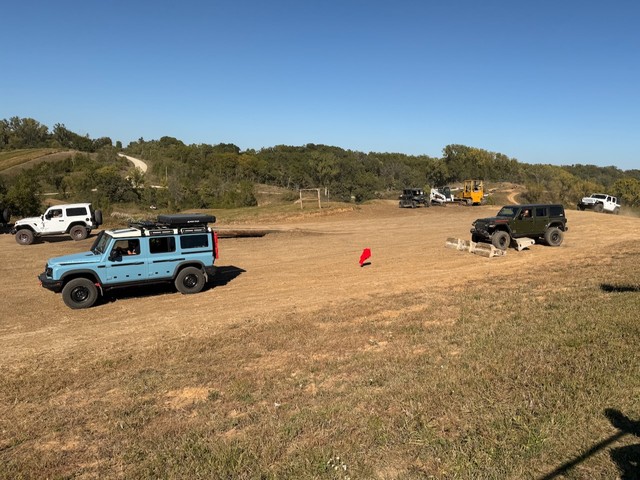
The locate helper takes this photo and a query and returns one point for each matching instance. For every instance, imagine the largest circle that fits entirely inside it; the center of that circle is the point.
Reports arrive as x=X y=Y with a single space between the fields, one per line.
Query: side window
x=77 y=212
x=194 y=241
x=524 y=213
x=127 y=247
x=162 y=244
x=541 y=211
x=55 y=213
x=557 y=211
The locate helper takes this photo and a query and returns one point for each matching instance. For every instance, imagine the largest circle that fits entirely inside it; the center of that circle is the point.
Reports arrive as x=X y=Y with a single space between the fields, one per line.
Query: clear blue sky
x=546 y=81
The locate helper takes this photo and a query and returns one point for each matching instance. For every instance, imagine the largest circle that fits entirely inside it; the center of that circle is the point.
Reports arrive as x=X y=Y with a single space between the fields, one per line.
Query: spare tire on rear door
x=97 y=217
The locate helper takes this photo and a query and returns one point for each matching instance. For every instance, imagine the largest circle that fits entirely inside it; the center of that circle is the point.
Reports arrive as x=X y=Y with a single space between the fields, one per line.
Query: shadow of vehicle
x=223 y=275
x=61 y=238
x=627 y=458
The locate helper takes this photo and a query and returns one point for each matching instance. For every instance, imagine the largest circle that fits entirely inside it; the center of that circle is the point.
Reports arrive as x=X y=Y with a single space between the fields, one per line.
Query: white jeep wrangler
x=600 y=202
x=76 y=219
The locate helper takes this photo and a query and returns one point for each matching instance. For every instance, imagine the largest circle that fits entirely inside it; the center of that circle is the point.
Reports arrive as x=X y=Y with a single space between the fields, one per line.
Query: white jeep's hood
x=28 y=220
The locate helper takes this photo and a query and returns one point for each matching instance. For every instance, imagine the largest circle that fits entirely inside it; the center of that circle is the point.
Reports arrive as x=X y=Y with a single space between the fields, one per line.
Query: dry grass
x=13 y=161
x=505 y=379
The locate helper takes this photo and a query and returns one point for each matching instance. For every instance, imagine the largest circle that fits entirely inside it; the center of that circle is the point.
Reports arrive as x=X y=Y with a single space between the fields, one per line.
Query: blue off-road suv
x=178 y=248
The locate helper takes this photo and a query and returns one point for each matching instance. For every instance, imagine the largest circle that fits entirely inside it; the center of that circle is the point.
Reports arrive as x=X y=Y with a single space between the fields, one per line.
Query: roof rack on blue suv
x=179 y=248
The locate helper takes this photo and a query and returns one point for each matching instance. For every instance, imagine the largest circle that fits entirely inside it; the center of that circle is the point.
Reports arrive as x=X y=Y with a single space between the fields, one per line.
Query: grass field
x=504 y=378
x=15 y=159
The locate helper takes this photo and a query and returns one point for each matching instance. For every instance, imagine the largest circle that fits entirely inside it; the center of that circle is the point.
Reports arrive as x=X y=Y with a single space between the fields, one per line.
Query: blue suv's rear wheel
x=190 y=280
x=79 y=293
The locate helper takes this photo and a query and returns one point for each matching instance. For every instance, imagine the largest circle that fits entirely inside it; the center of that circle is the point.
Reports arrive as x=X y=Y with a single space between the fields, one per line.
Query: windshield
x=508 y=212
x=100 y=243
x=599 y=195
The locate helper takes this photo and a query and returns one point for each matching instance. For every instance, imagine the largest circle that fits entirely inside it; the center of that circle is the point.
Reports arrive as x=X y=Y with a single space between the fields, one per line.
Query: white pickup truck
x=600 y=202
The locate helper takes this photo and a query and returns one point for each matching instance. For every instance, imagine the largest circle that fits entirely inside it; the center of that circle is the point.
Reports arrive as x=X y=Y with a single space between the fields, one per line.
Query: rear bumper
x=53 y=285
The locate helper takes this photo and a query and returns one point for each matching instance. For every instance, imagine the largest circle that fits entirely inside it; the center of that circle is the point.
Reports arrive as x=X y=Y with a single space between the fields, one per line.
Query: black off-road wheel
x=598 y=207
x=24 y=236
x=78 y=232
x=80 y=293
x=501 y=239
x=190 y=280
x=554 y=236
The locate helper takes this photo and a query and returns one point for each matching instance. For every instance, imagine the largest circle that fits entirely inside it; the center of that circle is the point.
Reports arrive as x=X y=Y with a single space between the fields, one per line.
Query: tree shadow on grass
x=609 y=288
x=627 y=458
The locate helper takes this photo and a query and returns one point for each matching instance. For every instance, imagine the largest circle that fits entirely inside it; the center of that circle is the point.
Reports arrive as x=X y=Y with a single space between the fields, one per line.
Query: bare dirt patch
x=426 y=362
x=308 y=265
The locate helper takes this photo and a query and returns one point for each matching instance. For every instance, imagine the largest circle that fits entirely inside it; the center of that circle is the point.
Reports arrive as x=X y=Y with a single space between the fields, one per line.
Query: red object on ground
x=366 y=253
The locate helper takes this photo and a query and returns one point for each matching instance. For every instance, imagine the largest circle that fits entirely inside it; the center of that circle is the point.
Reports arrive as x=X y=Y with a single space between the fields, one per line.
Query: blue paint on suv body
x=142 y=254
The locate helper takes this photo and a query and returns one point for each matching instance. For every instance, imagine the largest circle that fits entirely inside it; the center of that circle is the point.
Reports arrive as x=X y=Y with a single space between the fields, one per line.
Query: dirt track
x=308 y=265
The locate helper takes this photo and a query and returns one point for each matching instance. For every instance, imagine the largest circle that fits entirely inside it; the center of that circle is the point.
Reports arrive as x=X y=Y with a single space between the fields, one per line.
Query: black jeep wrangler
x=535 y=221
x=413 y=197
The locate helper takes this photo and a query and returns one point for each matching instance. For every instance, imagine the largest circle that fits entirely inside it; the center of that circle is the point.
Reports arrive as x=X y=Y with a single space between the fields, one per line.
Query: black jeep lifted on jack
x=536 y=221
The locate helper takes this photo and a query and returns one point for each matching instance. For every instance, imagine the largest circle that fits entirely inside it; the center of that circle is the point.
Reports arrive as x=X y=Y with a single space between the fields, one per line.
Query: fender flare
x=84 y=273
x=188 y=263
x=74 y=224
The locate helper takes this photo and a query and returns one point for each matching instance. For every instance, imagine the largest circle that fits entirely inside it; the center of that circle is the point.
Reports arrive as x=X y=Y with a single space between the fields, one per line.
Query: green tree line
x=223 y=175
x=18 y=133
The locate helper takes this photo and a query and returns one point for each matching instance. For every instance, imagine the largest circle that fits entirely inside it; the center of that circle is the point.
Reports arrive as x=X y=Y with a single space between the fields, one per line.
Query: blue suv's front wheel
x=79 y=293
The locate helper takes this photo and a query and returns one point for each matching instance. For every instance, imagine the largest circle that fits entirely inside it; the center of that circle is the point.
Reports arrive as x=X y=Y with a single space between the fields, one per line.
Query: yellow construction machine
x=472 y=193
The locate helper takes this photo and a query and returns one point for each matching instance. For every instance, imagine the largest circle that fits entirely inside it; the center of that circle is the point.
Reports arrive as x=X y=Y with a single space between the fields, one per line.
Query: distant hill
x=15 y=160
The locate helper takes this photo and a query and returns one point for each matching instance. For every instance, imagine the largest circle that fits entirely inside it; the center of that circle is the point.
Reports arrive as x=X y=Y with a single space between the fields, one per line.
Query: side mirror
x=114 y=255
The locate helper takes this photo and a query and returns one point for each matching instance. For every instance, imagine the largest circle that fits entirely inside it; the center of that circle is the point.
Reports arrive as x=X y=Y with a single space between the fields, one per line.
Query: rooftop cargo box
x=178 y=219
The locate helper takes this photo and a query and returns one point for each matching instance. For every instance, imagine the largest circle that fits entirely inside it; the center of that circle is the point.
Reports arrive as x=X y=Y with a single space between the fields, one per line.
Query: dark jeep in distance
x=413 y=197
x=535 y=221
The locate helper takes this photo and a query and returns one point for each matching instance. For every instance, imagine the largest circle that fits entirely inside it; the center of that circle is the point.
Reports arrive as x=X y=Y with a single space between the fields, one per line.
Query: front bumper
x=586 y=206
x=480 y=233
x=53 y=285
